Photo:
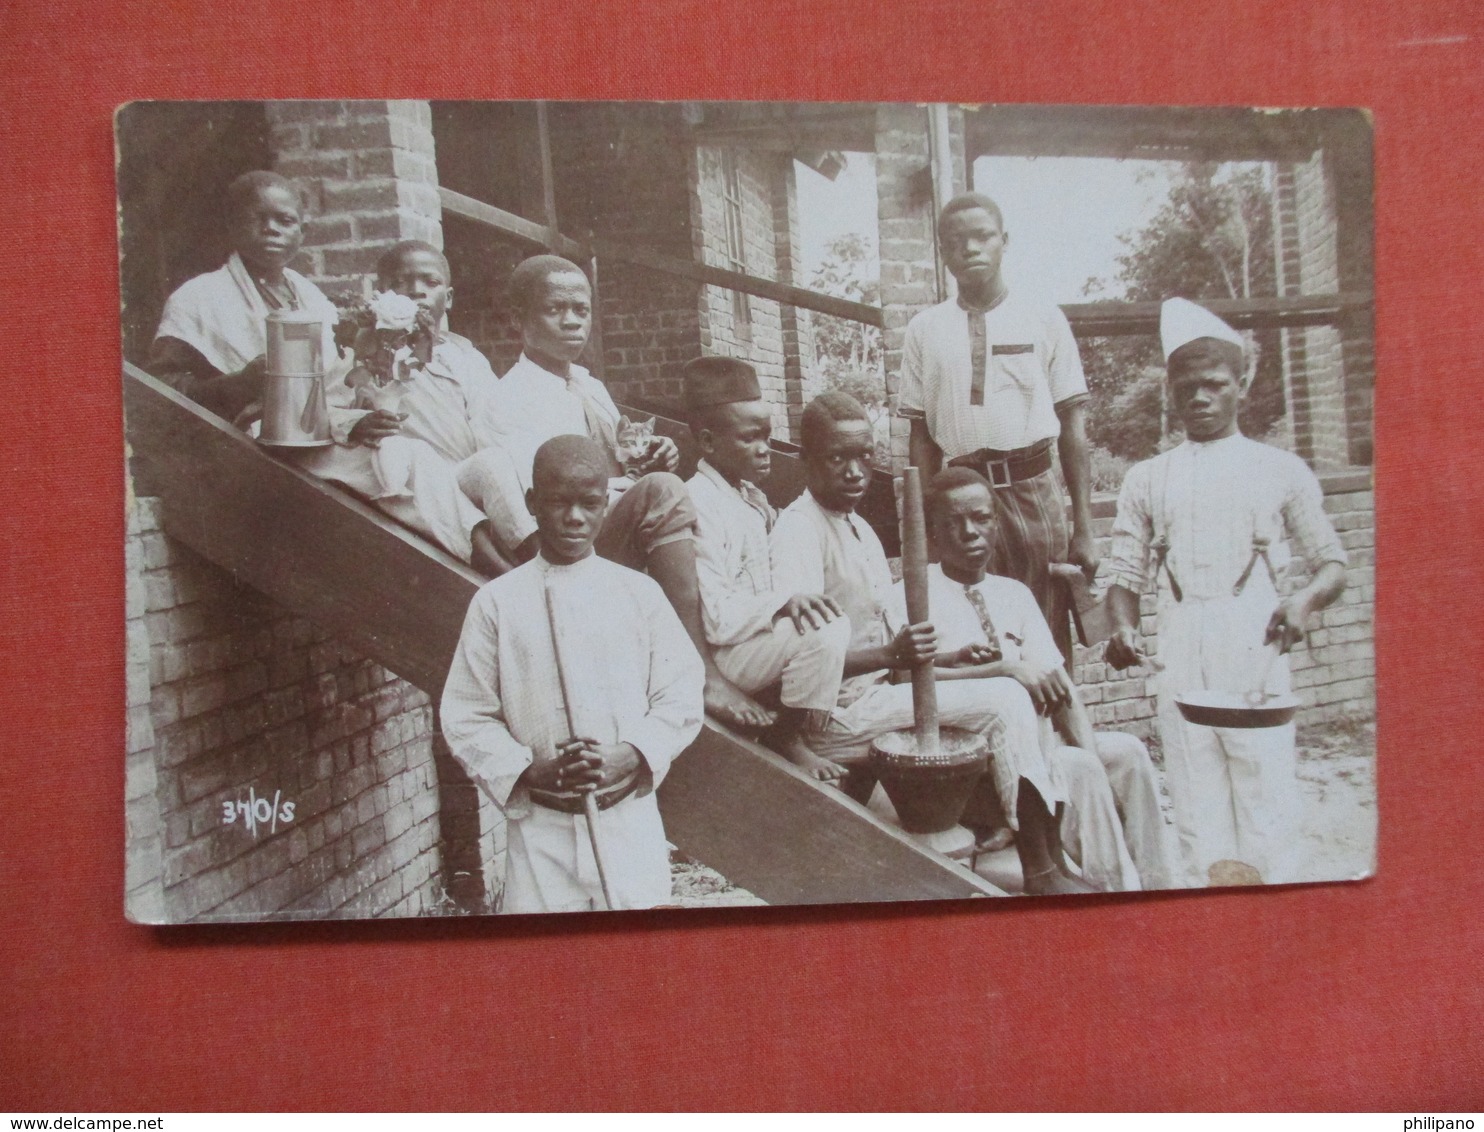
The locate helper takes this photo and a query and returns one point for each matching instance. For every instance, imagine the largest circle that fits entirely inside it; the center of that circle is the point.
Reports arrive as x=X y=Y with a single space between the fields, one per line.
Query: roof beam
x=740 y=281
x=1113 y=318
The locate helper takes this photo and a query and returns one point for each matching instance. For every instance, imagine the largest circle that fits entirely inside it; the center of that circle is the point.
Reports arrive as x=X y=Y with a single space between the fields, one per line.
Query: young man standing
x=761 y=634
x=1212 y=514
x=990 y=627
x=995 y=383
x=573 y=675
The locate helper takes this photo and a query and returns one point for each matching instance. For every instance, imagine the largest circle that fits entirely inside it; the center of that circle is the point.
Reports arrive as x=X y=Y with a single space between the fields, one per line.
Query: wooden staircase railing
x=362 y=577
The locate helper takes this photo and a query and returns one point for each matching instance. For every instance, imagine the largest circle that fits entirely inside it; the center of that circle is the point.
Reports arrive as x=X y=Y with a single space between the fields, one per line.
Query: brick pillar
x=368 y=174
x=1314 y=373
x=800 y=374
x=908 y=246
x=144 y=886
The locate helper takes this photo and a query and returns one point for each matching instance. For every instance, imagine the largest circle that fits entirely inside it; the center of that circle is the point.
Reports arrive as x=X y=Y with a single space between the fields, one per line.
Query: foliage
x=849 y=354
x=1212 y=239
x=1108 y=470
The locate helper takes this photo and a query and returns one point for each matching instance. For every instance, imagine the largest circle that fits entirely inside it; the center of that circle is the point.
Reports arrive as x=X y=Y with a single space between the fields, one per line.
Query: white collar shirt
x=733 y=558
x=816 y=550
x=1212 y=503
x=533 y=405
x=633 y=673
x=1019 y=625
x=444 y=402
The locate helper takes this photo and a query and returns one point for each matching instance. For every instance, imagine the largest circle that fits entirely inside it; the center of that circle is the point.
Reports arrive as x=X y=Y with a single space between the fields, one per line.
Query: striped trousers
x=1032 y=516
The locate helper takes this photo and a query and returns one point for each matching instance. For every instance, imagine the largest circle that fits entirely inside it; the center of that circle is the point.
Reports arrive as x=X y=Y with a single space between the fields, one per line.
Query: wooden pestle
x=915 y=581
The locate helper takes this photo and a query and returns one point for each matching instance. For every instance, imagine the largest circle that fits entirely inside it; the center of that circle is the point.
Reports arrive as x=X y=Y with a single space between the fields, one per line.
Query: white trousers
x=490 y=480
x=410 y=481
x=808 y=664
x=1137 y=837
x=549 y=863
x=1235 y=791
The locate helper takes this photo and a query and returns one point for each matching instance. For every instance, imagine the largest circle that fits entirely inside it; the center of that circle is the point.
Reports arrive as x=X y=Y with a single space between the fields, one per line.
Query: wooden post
x=915 y=581
x=940 y=161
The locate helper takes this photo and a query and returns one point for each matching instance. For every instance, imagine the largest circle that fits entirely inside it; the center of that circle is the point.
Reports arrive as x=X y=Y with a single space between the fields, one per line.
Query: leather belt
x=1005 y=468
x=570 y=802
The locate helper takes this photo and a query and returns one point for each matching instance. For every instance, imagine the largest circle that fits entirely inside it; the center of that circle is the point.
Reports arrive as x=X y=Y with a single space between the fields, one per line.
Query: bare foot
x=796 y=751
x=485 y=556
x=995 y=840
x=732 y=706
x=1054 y=882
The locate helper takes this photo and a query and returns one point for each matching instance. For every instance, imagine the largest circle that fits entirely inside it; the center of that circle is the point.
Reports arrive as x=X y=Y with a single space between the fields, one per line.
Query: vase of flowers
x=391 y=338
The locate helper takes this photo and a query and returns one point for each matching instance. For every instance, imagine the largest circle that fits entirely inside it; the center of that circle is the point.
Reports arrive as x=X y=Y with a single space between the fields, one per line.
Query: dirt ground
x=1337 y=774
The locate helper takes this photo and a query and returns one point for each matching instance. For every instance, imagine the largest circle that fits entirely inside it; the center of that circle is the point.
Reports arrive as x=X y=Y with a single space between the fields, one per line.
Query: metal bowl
x=1233 y=709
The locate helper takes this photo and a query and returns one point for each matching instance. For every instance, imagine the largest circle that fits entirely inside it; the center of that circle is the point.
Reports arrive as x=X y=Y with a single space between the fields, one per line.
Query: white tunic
x=532 y=405
x=634 y=677
x=1235 y=792
x=223 y=316
x=753 y=647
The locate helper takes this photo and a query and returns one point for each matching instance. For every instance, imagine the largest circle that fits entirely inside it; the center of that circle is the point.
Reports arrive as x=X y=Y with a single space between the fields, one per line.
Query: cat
x=633 y=441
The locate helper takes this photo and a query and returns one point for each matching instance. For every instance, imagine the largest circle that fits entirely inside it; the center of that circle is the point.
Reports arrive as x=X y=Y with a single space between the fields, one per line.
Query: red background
x=1365 y=995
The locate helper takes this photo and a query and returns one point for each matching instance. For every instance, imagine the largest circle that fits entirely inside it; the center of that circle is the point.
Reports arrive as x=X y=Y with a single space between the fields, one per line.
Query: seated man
x=570 y=624
x=406 y=459
x=650 y=524
x=760 y=635
x=990 y=627
x=820 y=544
x=212 y=336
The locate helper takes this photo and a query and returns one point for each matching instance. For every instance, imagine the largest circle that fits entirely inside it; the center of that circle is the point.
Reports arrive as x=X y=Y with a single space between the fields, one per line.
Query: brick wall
x=909 y=278
x=1334 y=673
x=1329 y=371
x=232 y=699
x=759 y=338
x=624 y=172
x=369 y=178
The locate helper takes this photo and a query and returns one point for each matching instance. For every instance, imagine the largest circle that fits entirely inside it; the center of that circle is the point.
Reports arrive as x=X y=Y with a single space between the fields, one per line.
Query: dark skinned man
x=1213 y=519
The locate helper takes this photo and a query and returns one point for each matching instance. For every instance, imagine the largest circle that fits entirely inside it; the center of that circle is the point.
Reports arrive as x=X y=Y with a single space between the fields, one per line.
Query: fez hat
x=718 y=380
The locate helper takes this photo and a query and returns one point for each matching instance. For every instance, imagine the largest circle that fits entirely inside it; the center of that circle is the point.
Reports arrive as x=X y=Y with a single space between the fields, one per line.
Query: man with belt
x=1213 y=520
x=994 y=383
x=565 y=624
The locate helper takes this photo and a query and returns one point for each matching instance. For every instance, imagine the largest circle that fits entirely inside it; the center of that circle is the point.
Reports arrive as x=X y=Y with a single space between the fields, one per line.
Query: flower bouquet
x=391 y=337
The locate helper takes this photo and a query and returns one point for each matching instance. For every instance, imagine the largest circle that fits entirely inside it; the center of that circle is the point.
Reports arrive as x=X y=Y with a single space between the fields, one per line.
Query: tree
x=849 y=353
x=1212 y=239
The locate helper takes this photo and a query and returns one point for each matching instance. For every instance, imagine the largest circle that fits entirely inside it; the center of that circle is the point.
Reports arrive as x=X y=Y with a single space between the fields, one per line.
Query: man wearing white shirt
x=213 y=333
x=651 y=522
x=761 y=633
x=990 y=627
x=993 y=382
x=1213 y=518
x=821 y=545
x=569 y=623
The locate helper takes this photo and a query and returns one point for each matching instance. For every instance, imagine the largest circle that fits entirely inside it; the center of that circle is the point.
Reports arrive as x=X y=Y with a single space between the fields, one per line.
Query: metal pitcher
x=294 y=411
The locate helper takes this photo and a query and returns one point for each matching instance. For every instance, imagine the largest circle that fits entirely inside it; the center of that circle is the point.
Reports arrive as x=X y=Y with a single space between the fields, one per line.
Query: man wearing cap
x=1213 y=519
x=994 y=382
x=760 y=634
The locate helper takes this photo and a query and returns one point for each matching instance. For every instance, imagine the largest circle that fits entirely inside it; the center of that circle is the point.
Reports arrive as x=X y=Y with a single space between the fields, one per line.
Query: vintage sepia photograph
x=579 y=506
